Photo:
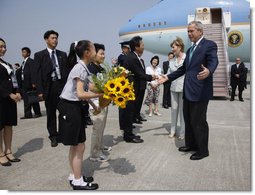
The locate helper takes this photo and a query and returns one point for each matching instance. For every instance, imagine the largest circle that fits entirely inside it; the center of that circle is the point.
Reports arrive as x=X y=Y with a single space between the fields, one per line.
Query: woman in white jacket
x=177 y=90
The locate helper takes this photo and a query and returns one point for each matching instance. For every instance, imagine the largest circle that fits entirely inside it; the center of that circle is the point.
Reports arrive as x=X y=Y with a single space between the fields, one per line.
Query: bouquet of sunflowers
x=114 y=84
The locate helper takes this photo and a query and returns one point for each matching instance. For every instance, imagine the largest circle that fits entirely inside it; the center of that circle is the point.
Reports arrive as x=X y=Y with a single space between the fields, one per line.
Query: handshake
x=158 y=79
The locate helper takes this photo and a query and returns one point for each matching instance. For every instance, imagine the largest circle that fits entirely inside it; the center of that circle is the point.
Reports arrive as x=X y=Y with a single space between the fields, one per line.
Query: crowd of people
x=62 y=82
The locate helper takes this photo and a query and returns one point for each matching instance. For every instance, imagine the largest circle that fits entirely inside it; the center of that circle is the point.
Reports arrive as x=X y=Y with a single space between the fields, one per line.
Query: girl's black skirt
x=72 y=122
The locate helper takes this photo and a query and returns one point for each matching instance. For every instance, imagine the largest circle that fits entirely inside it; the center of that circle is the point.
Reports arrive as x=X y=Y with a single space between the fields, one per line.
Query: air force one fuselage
x=161 y=24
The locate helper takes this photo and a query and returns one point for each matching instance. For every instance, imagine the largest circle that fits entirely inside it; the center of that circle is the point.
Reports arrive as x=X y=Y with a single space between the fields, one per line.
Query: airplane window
x=139 y=26
x=149 y=24
x=165 y=23
x=159 y=23
x=143 y=25
x=154 y=23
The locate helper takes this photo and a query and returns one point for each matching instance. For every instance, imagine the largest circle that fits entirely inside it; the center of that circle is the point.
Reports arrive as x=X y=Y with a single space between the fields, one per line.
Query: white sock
x=79 y=182
x=71 y=177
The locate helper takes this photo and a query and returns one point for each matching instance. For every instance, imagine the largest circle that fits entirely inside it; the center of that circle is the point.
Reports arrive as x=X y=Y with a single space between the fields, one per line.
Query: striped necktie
x=191 y=51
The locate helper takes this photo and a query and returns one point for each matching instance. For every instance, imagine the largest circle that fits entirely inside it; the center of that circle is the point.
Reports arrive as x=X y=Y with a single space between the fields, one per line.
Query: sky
x=23 y=23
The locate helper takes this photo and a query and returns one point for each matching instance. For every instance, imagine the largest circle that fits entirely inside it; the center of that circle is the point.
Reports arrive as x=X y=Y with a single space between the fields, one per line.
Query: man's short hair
x=48 y=33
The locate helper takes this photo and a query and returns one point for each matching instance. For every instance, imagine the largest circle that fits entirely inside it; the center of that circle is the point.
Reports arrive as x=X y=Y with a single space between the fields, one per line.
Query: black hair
x=72 y=58
x=154 y=57
x=2 y=40
x=82 y=46
x=170 y=53
x=77 y=50
x=27 y=50
x=135 y=42
x=99 y=46
x=17 y=64
x=48 y=33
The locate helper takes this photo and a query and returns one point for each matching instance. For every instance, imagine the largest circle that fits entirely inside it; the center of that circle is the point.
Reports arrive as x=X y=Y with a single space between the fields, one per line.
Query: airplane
x=161 y=24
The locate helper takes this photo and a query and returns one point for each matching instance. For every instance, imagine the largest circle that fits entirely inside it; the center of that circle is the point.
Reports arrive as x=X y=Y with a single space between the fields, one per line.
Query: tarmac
x=155 y=165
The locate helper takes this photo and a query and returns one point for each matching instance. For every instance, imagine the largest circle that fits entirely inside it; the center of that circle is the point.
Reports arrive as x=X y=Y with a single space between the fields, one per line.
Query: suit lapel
x=197 y=51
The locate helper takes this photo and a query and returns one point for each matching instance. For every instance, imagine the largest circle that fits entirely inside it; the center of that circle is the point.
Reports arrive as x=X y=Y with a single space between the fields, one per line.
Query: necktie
x=191 y=51
x=22 y=69
x=142 y=62
x=53 y=60
x=56 y=74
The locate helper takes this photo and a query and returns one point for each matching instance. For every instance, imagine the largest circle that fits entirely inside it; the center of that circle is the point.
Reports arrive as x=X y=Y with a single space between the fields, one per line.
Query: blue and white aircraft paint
x=162 y=23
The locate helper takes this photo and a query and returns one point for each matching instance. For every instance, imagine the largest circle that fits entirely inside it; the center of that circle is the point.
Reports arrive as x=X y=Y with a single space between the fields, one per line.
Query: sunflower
x=118 y=87
x=123 y=81
x=131 y=96
x=110 y=85
x=126 y=91
x=120 y=101
x=110 y=95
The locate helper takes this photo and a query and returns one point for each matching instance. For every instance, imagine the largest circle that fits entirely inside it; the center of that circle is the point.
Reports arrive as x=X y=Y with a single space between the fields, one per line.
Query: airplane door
x=216 y=14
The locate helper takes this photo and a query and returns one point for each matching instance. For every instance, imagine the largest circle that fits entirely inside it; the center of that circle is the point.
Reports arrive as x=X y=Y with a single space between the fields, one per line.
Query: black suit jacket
x=194 y=89
x=165 y=66
x=139 y=77
x=26 y=84
x=242 y=73
x=6 y=86
x=43 y=69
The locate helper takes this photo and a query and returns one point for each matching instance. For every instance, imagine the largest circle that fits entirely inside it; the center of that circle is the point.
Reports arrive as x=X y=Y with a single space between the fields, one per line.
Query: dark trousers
x=196 y=126
x=51 y=103
x=139 y=96
x=28 y=107
x=126 y=119
x=240 y=91
x=167 y=94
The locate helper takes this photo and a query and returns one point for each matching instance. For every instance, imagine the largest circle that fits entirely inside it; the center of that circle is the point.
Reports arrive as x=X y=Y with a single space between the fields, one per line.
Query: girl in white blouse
x=153 y=88
x=177 y=90
x=71 y=115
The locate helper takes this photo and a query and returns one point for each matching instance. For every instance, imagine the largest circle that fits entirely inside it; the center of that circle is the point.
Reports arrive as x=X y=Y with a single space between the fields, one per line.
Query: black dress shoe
x=231 y=99
x=186 y=149
x=37 y=115
x=89 y=186
x=86 y=179
x=137 y=121
x=197 y=156
x=166 y=106
x=141 y=119
x=241 y=100
x=54 y=142
x=134 y=140
x=26 y=117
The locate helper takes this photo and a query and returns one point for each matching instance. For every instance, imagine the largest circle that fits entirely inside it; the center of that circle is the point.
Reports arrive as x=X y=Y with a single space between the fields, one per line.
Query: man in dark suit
x=135 y=65
x=140 y=77
x=198 y=67
x=166 y=93
x=24 y=80
x=51 y=72
x=238 y=78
